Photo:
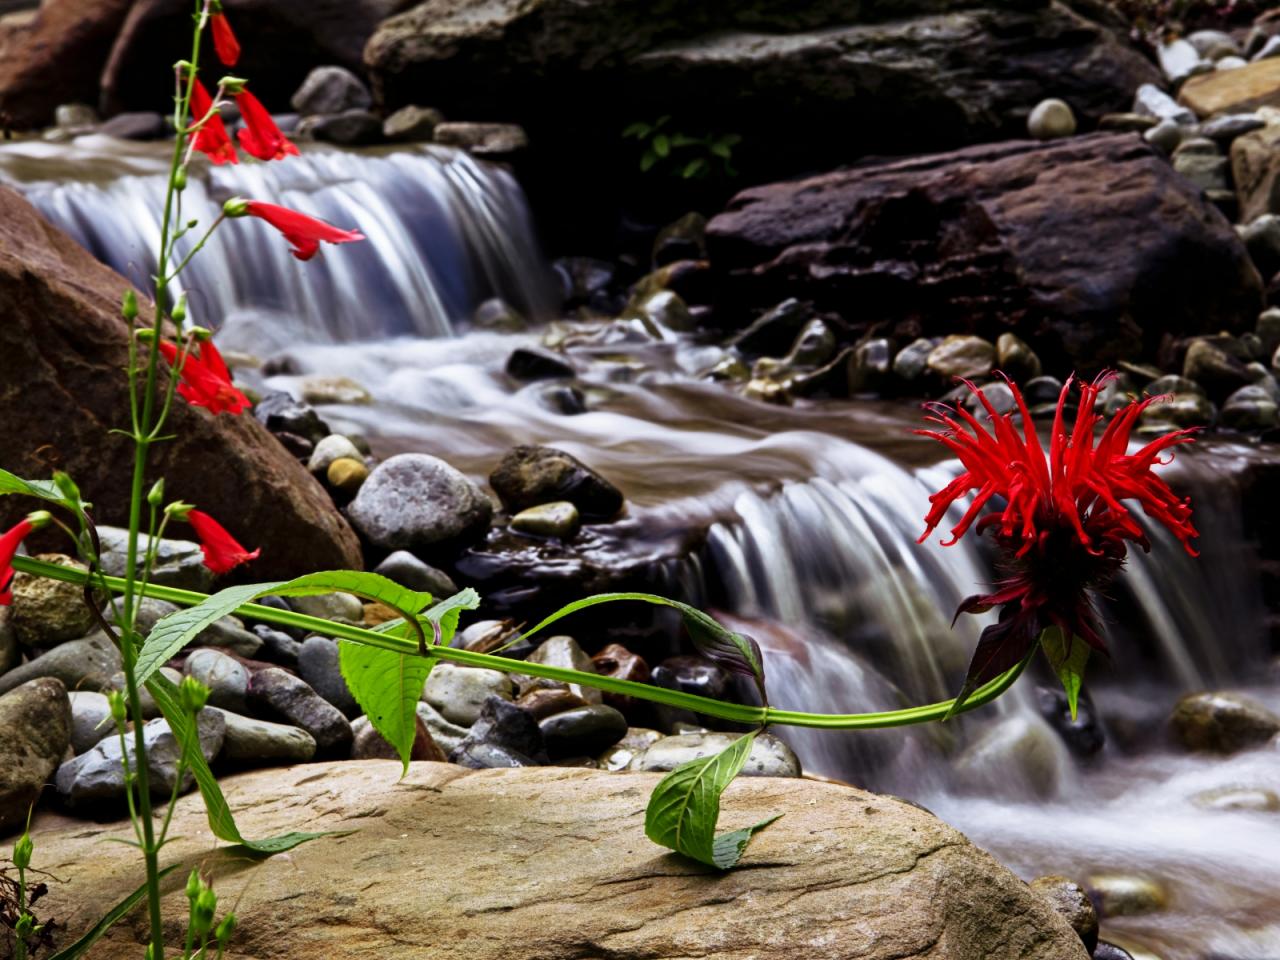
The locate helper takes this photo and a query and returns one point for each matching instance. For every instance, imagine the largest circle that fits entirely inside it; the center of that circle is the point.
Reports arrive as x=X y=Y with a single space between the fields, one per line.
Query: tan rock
x=1234 y=91
x=552 y=862
x=1255 y=168
x=35 y=731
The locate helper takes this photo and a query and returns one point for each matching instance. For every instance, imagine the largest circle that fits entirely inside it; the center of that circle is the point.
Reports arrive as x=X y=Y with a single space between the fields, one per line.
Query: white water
x=812 y=516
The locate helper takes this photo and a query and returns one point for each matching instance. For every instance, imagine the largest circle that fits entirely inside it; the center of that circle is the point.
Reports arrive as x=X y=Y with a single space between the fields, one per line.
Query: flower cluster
x=1060 y=520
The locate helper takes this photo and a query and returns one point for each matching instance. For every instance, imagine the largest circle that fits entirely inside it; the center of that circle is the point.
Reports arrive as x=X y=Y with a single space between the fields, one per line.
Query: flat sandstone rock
x=552 y=863
x=1234 y=91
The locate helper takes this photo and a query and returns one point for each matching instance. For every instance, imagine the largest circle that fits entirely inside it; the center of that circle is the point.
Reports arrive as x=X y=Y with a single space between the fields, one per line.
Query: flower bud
x=202 y=912
x=66 y=486
x=233 y=85
x=194 y=885
x=155 y=496
x=39 y=518
x=179 y=510
x=182 y=67
x=180 y=179
x=22 y=852
x=25 y=926
x=179 y=311
x=119 y=709
x=129 y=305
x=225 y=929
x=145 y=335
x=200 y=333
x=236 y=207
x=193 y=694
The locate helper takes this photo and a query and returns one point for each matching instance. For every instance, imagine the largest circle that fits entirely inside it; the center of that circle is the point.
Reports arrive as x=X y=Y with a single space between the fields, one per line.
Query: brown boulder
x=539 y=862
x=63 y=348
x=1255 y=168
x=35 y=731
x=1089 y=249
x=55 y=57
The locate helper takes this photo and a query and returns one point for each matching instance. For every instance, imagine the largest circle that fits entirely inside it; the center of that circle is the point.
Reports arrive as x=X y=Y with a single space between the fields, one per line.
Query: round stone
x=49 y=612
x=1051 y=119
x=418 y=502
x=347 y=474
x=1072 y=903
x=1222 y=722
x=559 y=519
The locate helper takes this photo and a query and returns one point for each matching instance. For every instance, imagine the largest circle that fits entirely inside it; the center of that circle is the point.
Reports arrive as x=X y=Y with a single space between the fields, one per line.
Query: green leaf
x=638 y=129
x=1068 y=659
x=109 y=920
x=685 y=805
x=679 y=140
x=662 y=145
x=722 y=149
x=221 y=822
x=43 y=489
x=694 y=167
x=648 y=160
x=175 y=631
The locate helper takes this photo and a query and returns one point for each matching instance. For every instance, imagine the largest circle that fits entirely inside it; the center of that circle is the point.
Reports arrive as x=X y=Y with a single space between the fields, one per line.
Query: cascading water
x=811 y=516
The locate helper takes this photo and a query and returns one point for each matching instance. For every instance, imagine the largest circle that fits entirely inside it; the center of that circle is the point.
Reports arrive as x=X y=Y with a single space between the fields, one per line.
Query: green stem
x=737 y=712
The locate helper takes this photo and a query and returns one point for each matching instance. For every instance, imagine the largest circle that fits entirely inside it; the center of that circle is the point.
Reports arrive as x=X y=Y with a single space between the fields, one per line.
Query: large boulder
x=1090 y=249
x=280 y=40
x=55 y=57
x=63 y=350
x=900 y=75
x=552 y=862
x=35 y=731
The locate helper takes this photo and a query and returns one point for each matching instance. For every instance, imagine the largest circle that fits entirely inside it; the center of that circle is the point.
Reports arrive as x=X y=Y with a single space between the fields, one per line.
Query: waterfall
x=445 y=232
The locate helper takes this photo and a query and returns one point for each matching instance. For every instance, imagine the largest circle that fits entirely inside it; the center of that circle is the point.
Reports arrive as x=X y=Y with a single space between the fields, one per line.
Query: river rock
x=771 y=332
x=1016 y=753
x=1133 y=251
x=1151 y=101
x=48 y=612
x=346 y=475
x=291 y=699
x=562 y=651
x=90 y=719
x=150 y=709
x=99 y=774
x=459 y=693
x=504 y=735
x=1214 y=368
x=1233 y=91
x=1251 y=799
x=1255 y=168
x=534 y=363
x=331 y=448
x=1166 y=135
x=582 y=731
x=1250 y=409
x=136 y=125
x=35 y=731
x=10 y=652
x=1126 y=895
x=499 y=316
x=1072 y=903
x=618 y=662
x=1208 y=170
x=882 y=872
x=318 y=665
x=178 y=563
x=447 y=735
x=1084 y=735
x=1222 y=722
x=249 y=741
x=226 y=678
x=349 y=128
x=692 y=675
x=368 y=744
x=633 y=743
x=769 y=756
x=1051 y=119
x=529 y=476
x=483 y=139
x=330 y=89
x=1261 y=237
x=86 y=664
x=417 y=502
x=277 y=646
x=338 y=606
x=543 y=702
x=280 y=413
x=412 y=124
x=559 y=519
x=408 y=571
x=70 y=353
x=1015 y=359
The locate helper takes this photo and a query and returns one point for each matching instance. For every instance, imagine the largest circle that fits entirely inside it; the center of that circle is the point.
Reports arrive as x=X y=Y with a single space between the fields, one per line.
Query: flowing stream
x=808 y=515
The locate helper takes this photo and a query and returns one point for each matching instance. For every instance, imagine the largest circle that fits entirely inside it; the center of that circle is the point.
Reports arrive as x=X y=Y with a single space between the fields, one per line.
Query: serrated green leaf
x=42 y=489
x=1068 y=659
x=685 y=806
x=388 y=687
x=109 y=920
x=221 y=822
x=175 y=631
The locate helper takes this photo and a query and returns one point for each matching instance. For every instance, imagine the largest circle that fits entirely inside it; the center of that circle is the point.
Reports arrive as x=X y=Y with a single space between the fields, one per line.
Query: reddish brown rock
x=1090 y=249
x=55 y=57
x=62 y=353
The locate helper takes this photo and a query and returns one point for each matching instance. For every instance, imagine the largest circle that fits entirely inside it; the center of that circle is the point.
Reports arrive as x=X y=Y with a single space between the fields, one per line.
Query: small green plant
x=677 y=154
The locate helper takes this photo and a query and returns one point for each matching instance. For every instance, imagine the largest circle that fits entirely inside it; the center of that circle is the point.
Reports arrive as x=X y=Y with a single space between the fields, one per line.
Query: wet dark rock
x=138 y=125
x=1133 y=252
x=562 y=651
x=290 y=698
x=913 y=359
x=498 y=315
x=1226 y=128
x=90 y=719
x=506 y=727
x=318 y=665
x=535 y=363
x=583 y=730
x=543 y=702
x=692 y=675
x=87 y=664
x=1109 y=951
x=368 y=744
x=870 y=366
x=35 y=731
x=683 y=239
x=280 y=413
x=331 y=89
x=419 y=503
x=10 y=652
x=1070 y=901
x=411 y=124
x=1250 y=409
x=1214 y=366
x=1015 y=359
x=562 y=398
x=831 y=380
x=227 y=679
x=620 y=663
x=587 y=282
x=482 y=756
x=408 y=571
x=349 y=128
x=483 y=139
x=772 y=332
x=1084 y=735
x=529 y=475
x=1180 y=410
x=558 y=519
x=1222 y=723
x=98 y=775
x=1126 y=895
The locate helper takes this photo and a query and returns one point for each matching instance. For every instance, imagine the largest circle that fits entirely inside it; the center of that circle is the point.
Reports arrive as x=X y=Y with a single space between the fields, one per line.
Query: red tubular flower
x=9 y=543
x=211 y=139
x=225 y=43
x=206 y=382
x=1059 y=521
x=222 y=552
x=304 y=232
x=260 y=137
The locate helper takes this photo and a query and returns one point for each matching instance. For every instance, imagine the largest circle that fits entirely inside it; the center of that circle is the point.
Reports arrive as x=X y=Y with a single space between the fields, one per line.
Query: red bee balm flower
x=225 y=43
x=9 y=544
x=1061 y=524
x=211 y=139
x=222 y=553
x=206 y=382
x=304 y=232
x=260 y=137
